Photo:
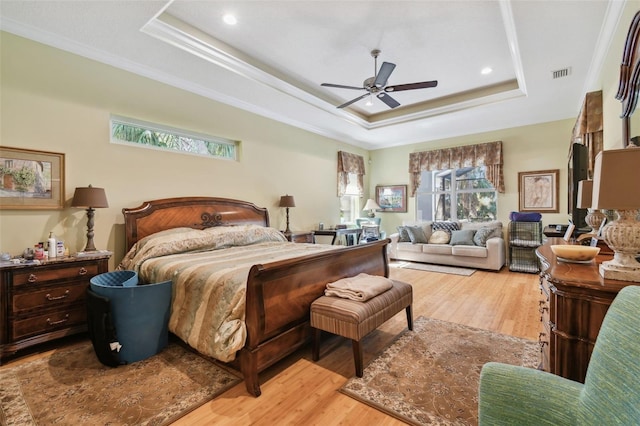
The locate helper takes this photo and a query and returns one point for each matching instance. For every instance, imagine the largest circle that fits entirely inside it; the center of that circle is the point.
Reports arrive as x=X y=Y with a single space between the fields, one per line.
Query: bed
x=278 y=294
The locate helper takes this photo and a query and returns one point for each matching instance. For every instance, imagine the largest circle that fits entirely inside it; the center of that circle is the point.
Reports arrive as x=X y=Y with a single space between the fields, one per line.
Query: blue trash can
x=140 y=313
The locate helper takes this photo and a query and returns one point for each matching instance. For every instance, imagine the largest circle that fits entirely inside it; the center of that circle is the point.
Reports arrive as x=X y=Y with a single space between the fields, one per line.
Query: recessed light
x=229 y=19
x=486 y=70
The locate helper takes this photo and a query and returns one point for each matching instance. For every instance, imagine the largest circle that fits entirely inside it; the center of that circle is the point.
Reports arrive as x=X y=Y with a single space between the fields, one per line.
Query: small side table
x=45 y=301
x=352 y=235
x=300 y=237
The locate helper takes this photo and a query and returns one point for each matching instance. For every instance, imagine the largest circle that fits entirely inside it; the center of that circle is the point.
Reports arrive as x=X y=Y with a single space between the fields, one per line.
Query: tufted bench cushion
x=354 y=320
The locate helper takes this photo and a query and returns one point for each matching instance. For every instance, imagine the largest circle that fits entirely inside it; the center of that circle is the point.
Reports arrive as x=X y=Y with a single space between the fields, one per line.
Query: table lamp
x=91 y=198
x=372 y=206
x=287 y=201
x=616 y=188
x=594 y=217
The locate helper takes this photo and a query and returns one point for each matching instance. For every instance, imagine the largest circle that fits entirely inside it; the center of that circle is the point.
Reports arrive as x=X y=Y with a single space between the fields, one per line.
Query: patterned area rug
x=71 y=387
x=455 y=270
x=430 y=376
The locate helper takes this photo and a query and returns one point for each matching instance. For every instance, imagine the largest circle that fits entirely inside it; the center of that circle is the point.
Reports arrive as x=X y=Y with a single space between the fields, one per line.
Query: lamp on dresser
x=594 y=217
x=91 y=198
x=615 y=187
x=287 y=201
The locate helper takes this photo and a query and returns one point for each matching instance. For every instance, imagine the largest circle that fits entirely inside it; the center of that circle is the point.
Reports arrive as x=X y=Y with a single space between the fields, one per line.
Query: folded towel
x=361 y=288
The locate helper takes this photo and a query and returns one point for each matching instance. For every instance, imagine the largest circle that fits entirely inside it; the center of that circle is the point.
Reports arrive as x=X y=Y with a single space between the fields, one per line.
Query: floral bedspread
x=209 y=270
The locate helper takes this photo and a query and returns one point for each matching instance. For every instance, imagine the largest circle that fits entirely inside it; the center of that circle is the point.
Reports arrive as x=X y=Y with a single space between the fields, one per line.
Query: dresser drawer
x=59 y=295
x=40 y=275
x=41 y=324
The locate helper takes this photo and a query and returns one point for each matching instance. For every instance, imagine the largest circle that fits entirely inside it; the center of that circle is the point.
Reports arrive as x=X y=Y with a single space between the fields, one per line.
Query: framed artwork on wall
x=31 y=180
x=392 y=198
x=538 y=191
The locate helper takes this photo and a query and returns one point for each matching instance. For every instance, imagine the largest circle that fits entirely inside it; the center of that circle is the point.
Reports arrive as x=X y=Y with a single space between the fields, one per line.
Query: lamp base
x=613 y=272
x=623 y=236
x=594 y=219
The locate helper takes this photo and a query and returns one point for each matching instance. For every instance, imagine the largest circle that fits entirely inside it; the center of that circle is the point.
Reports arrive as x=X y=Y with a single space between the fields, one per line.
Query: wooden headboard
x=192 y=212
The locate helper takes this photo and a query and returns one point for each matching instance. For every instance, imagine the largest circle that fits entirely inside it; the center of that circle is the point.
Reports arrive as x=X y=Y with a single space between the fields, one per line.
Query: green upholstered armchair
x=610 y=395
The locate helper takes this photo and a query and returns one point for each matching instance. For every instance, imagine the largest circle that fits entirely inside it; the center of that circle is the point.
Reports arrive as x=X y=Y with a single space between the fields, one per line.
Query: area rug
x=430 y=376
x=455 y=270
x=71 y=387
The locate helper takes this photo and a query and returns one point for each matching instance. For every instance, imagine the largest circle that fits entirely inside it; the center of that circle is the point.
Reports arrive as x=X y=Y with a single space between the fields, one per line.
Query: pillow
x=445 y=226
x=416 y=235
x=525 y=217
x=483 y=234
x=439 y=237
x=403 y=235
x=463 y=237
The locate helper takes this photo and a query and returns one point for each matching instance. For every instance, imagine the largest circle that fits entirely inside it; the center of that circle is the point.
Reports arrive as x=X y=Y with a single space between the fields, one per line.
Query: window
x=140 y=133
x=350 y=201
x=456 y=194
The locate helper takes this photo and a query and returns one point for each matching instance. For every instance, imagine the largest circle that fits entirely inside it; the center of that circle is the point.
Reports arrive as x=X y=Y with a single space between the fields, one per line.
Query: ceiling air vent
x=564 y=72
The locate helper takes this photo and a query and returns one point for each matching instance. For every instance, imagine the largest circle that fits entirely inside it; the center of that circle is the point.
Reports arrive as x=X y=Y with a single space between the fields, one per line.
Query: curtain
x=588 y=128
x=486 y=154
x=350 y=163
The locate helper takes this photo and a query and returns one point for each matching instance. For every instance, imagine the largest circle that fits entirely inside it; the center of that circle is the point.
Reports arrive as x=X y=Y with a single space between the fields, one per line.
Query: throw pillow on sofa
x=439 y=237
x=483 y=234
x=416 y=235
x=462 y=237
x=403 y=235
x=445 y=226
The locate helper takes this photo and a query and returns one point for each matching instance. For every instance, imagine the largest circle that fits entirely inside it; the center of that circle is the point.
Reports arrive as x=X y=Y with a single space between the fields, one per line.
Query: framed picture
x=538 y=191
x=392 y=198
x=31 y=179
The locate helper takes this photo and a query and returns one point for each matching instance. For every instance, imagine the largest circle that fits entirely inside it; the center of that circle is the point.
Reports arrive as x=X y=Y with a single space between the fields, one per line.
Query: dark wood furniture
x=348 y=232
x=279 y=294
x=300 y=236
x=40 y=303
x=575 y=299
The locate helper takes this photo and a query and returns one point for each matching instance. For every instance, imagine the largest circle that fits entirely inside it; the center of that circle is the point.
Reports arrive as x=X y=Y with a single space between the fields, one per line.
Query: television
x=578 y=170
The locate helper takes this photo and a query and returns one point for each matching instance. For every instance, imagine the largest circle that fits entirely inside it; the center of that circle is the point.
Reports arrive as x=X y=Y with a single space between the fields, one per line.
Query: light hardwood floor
x=298 y=391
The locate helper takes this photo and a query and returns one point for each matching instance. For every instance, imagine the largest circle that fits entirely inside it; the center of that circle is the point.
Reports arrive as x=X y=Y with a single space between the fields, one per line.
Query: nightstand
x=46 y=301
x=300 y=237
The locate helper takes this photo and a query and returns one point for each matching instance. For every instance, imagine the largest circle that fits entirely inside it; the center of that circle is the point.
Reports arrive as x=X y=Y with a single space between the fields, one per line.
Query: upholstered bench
x=354 y=319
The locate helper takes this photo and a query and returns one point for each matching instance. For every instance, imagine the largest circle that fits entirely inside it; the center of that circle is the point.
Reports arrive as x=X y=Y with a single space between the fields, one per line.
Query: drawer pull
x=83 y=271
x=32 y=278
x=50 y=297
x=63 y=320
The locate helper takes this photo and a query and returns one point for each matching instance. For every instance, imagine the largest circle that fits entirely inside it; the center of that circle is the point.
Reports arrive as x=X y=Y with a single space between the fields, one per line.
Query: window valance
x=486 y=154
x=350 y=163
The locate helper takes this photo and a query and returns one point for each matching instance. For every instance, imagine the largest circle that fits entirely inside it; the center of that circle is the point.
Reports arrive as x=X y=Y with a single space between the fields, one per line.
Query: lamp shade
x=90 y=197
x=287 y=201
x=614 y=184
x=585 y=189
x=371 y=205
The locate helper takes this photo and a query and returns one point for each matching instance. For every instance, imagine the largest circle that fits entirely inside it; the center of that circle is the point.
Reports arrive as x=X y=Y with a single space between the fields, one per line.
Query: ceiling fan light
x=369 y=100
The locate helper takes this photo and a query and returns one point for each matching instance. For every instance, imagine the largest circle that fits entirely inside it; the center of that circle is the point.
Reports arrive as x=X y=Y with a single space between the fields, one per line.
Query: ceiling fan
x=377 y=85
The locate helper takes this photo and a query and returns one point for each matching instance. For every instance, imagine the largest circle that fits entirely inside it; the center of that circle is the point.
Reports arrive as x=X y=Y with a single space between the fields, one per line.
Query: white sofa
x=490 y=256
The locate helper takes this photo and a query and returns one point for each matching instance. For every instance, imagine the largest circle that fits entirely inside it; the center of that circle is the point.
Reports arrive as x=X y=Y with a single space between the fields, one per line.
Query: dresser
x=40 y=303
x=575 y=299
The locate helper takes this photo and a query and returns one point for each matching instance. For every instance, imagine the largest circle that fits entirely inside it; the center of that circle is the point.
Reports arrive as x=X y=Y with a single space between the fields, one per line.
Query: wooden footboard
x=279 y=297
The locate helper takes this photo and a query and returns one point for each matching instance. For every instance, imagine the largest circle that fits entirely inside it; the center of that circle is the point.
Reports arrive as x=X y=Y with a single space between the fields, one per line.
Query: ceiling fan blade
x=391 y=103
x=353 y=100
x=411 y=86
x=383 y=75
x=340 y=86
